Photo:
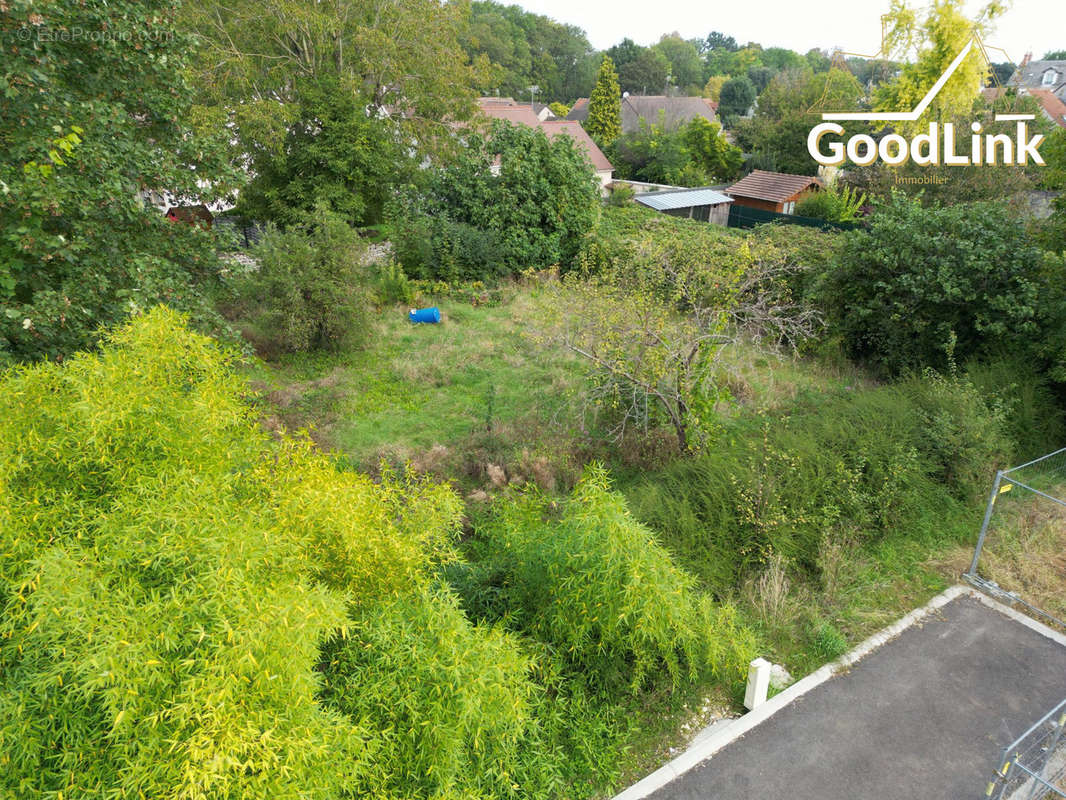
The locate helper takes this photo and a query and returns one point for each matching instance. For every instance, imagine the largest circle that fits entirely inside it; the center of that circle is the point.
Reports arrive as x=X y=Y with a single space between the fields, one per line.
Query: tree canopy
x=604 y=122
x=88 y=124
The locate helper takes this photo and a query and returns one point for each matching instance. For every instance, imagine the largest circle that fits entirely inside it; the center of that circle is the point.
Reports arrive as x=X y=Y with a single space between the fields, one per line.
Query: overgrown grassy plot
x=449 y=397
x=823 y=521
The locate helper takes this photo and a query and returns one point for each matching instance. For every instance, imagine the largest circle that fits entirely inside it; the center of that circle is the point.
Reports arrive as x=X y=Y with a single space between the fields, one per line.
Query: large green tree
x=788 y=108
x=686 y=68
x=395 y=72
x=95 y=111
x=527 y=50
x=736 y=97
x=645 y=74
x=604 y=122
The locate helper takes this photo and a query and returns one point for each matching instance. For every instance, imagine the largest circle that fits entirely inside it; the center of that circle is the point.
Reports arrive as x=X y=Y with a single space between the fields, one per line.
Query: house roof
x=554 y=127
x=1052 y=105
x=774 y=187
x=579 y=111
x=684 y=198
x=518 y=114
x=507 y=109
x=676 y=111
x=1031 y=75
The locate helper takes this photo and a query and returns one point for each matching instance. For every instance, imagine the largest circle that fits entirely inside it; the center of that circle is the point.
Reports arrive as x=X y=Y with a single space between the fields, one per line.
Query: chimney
x=1026 y=59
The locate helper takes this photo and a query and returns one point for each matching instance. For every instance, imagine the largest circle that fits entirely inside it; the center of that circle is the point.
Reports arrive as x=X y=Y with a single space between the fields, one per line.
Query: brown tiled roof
x=775 y=187
x=553 y=128
x=1052 y=106
x=522 y=114
x=510 y=111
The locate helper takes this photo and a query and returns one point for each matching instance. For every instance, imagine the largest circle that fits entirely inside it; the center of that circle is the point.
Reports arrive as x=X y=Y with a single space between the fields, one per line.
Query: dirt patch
x=295 y=406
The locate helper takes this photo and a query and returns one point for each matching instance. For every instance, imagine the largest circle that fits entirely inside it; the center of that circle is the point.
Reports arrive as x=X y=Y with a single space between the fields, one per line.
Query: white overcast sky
x=851 y=25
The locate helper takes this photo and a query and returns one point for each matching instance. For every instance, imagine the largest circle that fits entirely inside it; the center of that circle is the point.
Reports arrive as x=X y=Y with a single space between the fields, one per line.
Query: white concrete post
x=758 y=683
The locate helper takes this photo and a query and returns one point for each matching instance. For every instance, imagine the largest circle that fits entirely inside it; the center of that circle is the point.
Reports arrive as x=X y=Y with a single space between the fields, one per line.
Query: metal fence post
x=984 y=525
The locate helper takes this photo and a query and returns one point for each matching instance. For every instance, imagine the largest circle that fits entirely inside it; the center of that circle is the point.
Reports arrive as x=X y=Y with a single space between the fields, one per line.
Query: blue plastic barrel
x=425 y=315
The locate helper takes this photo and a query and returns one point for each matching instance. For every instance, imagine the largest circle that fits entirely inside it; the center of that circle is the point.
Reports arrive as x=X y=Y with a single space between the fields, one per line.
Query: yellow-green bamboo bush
x=187 y=611
x=592 y=582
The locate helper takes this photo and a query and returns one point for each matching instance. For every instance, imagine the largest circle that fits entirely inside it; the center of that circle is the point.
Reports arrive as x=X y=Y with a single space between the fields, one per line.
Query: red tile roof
x=553 y=128
x=1052 y=106
x=774 y=187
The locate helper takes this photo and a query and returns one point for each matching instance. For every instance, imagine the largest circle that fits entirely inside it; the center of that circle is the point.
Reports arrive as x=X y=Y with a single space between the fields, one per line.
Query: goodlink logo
x=937 y=146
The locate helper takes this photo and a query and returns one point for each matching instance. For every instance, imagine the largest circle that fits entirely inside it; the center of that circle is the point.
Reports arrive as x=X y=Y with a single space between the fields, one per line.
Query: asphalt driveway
x=924 y=716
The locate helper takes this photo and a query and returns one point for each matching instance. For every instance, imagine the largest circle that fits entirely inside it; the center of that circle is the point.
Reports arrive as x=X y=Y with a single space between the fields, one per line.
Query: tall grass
x=865 y=466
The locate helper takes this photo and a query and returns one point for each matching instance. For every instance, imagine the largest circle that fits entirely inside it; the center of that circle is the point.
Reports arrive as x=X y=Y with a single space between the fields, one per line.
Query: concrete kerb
x=716 y=740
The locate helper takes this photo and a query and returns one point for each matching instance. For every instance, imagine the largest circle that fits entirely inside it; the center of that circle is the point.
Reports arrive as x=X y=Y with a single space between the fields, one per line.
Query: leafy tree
x=737 y=96
x=760 y=77
x=669 y=301
x=558 y=109
x=927 y=284
x=88 y=122
x=625 y=52
x=529 y=49
x=656 y=155
x=646 y=74
x=789 y=107
x=716 y=40
x=275 y=69
x=712 y=90
x=938 y=38
x=818 y=60
x=779 y=59
x=708 y=148
x=604 y=122
x=1055 y=55
x=1053 y=174
x=535 y=212
x=686 y=68
x=332 y=154
x=1000 y=73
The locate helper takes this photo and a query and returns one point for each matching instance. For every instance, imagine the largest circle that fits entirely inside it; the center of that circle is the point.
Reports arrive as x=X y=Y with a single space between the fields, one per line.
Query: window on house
x=1050 y=76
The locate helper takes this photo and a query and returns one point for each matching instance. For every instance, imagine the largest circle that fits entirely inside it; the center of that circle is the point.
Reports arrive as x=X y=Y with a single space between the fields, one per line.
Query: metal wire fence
x=1026 y=511
x=1033 y=767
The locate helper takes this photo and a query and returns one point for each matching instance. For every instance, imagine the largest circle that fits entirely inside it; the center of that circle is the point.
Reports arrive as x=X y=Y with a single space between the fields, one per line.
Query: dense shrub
x=597 y=586
x=860 y=466
x=834 y=204
x=512 y=200
x=925 y=284
x=440 y=249
x=449 y=702
x=310 y=290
